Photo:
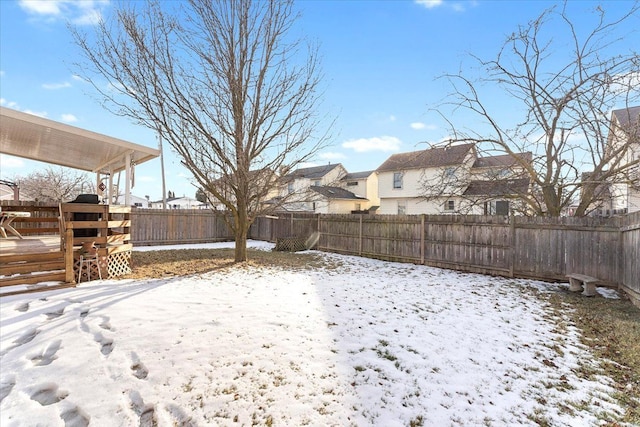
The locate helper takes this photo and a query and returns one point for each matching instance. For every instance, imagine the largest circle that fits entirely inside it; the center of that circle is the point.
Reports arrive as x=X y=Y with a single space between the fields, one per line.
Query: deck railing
x=107 y=227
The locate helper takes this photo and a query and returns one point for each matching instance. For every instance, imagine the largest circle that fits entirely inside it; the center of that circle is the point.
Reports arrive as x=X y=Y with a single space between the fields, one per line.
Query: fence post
x=422 y=230
x=512 y=232
x=69 y=275
x=360 y=237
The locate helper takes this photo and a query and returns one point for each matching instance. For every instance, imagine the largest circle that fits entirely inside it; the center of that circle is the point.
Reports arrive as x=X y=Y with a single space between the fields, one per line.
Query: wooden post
x=512 y=232
x=422 y=239
x=70 y=276
x=360 y=237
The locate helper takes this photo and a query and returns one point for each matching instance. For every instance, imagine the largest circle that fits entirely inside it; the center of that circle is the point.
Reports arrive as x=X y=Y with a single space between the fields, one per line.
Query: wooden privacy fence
x=176 y=226
x=532 y=247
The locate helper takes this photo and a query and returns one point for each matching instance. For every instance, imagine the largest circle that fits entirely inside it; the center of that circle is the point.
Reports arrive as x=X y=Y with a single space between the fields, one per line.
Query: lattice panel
x=90 y=273
x=290 y=244
x=119 y=263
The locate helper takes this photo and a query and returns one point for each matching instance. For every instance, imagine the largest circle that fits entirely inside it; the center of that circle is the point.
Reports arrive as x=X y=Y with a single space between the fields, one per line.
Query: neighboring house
x=139 y=202
x=317 y=189
x=364 y=185
x=263 y=180
x=496 y=184
x=625 y=129
x=183 y=202
x=335 y=200
x=447 y=180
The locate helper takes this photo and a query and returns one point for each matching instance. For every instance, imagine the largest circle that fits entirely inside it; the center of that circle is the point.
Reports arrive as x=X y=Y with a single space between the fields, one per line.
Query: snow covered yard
x=357 y=342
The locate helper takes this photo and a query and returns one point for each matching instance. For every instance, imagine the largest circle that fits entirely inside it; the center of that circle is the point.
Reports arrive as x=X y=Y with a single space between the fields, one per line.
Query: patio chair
x=88 y=259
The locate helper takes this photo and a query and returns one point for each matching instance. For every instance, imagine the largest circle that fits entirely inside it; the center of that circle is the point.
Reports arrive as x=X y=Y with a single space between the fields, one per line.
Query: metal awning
x=32 y=137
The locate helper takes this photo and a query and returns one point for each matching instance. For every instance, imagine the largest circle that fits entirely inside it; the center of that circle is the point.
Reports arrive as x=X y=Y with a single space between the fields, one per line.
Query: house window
x=316 y=183
x=314 y=206
x=352 y=183
x=449 y=205
x=290 y=187
x=502 y=207
x=358 y=206
x=498 y=207
x=397 y=180
x=402 y=208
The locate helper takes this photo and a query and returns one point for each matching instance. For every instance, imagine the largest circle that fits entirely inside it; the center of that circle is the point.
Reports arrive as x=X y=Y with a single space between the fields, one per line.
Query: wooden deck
x=31 y=264
x=30 y=244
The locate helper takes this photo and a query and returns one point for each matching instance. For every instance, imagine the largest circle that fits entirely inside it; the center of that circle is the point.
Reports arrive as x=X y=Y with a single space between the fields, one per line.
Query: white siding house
x=179 y=203
x=364 y=185
x=625 y=129
x=303 y=190
x=450 y=180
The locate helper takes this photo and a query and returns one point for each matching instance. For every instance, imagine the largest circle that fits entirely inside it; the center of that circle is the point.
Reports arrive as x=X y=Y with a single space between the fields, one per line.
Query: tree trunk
x=241 y=246
x=240 y=232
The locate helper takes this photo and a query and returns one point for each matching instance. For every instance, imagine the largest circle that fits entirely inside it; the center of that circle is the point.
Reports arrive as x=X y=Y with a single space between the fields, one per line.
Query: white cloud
x=458 y=6
x=1 y=73
x=392 y=118
x=41 y=7
x=420 y=126
x=429 y=4
x=332 y=156
x=69 y=118
x=10 y=162
x=56 y=86
x=86 y=12
x=378 y=143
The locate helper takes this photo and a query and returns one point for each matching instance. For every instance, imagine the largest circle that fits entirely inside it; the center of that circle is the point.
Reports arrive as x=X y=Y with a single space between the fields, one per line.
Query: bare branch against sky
x=225 y=83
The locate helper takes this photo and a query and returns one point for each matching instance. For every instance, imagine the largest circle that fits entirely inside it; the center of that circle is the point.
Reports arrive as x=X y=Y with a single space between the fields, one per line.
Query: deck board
x=30 y=244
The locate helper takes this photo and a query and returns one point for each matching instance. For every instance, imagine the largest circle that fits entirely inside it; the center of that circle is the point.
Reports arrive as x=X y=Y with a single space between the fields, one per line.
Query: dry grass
x=611 y=328
x=157 y=264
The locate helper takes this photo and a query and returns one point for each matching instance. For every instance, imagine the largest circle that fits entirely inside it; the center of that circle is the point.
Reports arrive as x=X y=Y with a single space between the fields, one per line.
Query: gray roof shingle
x=501 y=187
x=504 y=160
x=357 y=175
x=430 y=158
x=335 y=192
x=312 y=172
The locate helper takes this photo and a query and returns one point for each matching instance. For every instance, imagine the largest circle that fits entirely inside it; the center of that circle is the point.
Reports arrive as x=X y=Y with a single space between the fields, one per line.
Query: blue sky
x=381 y=61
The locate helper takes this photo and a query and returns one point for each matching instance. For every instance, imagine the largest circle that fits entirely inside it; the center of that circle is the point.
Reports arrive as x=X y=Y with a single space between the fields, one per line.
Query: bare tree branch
x=223 y=83
x=566 y=98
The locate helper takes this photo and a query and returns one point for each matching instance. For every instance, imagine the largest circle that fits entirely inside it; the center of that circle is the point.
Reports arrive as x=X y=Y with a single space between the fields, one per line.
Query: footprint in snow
x=74 y=417
x=54 y=314
x=48 y=394
x=105 y=324
x=137 y=368
x=146 y=412
x=26 y=337
x=106 y=344
x=47 y=355
x=22 y=307
x=6 y=385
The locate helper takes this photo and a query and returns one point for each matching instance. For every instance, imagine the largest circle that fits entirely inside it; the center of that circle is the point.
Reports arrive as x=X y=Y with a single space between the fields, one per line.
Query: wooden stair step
x=30 y=279
x=37 y=289
x=31 y=267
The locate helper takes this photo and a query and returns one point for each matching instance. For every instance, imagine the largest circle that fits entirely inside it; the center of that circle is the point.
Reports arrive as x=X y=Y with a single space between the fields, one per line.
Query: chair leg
x=98 y=265
x=80 y=269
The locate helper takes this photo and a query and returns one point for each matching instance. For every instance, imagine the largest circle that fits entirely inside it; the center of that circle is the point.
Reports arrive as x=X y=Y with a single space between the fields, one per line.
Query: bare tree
x=55 y=184
x=565 y=93
x=226 y=83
